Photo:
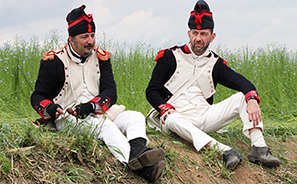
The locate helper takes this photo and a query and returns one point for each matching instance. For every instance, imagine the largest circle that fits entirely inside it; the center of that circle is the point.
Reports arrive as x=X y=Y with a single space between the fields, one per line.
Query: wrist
x=251 y=98
x=103 y=104
x=93 y=105
x=252 y=95
x=165 y=107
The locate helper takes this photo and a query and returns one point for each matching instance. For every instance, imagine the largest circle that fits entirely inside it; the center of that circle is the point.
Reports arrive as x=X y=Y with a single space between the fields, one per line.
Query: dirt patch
x=245 y=172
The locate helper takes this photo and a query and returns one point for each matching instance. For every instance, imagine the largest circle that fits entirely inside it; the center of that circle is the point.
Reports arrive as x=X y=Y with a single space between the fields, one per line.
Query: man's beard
x=88 y=52
x=201 y=50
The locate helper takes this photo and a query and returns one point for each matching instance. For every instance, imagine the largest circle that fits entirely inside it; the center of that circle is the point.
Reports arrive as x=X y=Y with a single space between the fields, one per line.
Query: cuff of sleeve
x=103 y=104
x=40 y=108
x=252 y=95
x=165 y=107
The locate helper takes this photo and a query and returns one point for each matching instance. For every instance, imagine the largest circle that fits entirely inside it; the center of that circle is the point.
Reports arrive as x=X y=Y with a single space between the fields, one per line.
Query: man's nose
x=90 y=39
x=198 y=37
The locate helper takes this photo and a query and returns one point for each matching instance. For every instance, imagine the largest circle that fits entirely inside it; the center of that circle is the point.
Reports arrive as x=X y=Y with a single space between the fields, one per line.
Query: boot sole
x=263 y=162
x=234 y=164
x=146 y=159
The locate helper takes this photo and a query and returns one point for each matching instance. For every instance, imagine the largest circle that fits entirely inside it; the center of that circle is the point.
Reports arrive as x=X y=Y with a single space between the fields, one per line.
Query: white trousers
x=194 y=128
x=115 y=134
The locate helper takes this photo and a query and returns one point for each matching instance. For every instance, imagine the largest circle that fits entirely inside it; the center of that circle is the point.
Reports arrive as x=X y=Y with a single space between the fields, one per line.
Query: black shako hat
x=79 y=22
x=201 y=17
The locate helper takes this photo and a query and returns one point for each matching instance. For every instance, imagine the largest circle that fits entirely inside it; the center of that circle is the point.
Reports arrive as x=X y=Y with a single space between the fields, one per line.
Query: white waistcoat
x=76 y=75
x=186 y=73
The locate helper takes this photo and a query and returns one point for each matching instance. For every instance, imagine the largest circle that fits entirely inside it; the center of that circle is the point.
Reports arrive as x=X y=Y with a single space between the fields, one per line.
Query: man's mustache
x=89 y=45
x=198 y=41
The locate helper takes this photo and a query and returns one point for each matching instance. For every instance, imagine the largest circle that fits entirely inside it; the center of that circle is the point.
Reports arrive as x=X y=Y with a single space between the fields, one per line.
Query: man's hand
x=164 y=116
x=82 y=110
x=54 y=110
x=254 y=112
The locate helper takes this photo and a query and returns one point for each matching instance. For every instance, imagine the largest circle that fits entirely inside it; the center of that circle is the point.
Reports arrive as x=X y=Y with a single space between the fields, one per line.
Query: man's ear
x=70 y=39
x=213 y=35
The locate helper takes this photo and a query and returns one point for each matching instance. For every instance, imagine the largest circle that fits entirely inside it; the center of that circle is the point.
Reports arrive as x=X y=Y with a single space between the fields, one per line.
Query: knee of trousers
x=238 y=99
x=134 y=117
x=132 y=124
x=173 y=119
x=106 y=129
x=239 y=96
x=106 y=125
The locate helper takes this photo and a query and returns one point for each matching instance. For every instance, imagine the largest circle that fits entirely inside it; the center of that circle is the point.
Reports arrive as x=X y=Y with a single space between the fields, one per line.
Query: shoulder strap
x=188 y=83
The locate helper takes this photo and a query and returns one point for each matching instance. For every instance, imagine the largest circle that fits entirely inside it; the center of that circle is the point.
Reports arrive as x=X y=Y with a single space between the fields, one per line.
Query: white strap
x=187 y=84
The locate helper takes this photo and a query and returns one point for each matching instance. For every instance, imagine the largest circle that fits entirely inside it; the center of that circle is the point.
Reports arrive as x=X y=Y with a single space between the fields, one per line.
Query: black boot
x=262 y=155
x=152 y=173
x=141 y=156
x=232 y=158
x=137 y=145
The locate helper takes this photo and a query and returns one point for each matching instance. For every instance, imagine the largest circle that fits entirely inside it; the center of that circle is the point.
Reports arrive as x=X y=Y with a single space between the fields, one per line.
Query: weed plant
x=272 y=69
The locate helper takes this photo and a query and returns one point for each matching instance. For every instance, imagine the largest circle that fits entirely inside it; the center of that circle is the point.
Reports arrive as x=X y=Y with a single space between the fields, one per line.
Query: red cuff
x=104 y=108
x=41 y=106
x=165 y=107
x=103 y=104
x=96 y=99
x=253 y=94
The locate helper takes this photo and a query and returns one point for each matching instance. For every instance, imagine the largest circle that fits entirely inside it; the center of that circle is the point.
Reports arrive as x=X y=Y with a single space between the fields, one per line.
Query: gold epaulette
x=51 y=54
x=102 y=54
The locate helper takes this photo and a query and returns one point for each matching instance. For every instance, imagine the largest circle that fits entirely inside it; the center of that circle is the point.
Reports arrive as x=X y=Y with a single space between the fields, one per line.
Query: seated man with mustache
x=79 y=78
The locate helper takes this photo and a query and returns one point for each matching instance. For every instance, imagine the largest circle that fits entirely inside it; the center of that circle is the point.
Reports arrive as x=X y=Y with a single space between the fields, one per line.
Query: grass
x=35 y=155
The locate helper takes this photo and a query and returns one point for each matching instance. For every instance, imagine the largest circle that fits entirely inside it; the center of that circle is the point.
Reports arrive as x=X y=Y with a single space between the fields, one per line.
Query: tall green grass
x=272 y=69
x=19 y=64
